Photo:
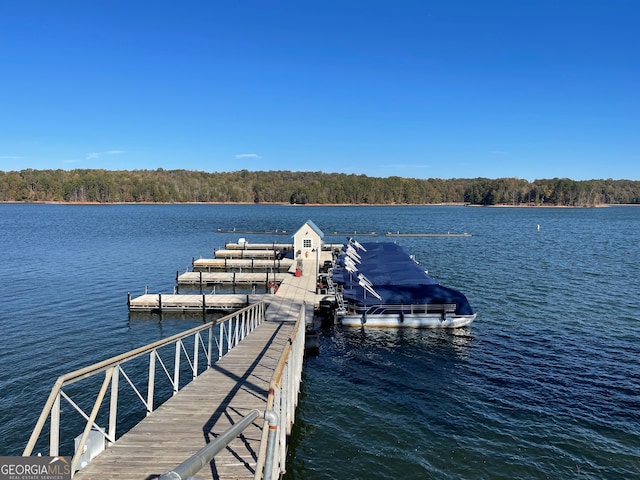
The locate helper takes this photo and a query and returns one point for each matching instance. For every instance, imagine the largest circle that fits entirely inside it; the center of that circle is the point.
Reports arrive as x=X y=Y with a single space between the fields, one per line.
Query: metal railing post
x=113 y=405
x=196 y=344
x=151 y=382
x=54 y=433
x=176 y=368
x=236 y=331
x=284 y=414
x=272 y=418
x=210 y=347
x=220 y=345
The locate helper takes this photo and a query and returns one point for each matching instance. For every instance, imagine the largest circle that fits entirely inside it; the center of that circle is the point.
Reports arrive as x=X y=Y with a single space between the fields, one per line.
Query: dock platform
x=259 y=246
x=246 y=253
x=241 y=264
x=214 y=401
x=158 y=302
x=230 y=278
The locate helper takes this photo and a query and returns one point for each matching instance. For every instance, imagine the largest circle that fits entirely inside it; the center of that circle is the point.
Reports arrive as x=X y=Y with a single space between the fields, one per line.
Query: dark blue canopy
x=395 y=277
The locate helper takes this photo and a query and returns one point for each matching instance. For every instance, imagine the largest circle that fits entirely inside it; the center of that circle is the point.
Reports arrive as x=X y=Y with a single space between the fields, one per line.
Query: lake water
x=544 y=384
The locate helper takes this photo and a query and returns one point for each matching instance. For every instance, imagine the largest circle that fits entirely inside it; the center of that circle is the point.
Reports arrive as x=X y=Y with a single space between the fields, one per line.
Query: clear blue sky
x=425 y=88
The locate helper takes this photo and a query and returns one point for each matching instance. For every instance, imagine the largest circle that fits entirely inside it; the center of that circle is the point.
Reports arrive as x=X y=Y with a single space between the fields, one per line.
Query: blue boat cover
x=395 y=277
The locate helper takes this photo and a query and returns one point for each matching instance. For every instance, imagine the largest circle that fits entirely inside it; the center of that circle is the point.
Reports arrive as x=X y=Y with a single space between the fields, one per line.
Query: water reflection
x=457 y=341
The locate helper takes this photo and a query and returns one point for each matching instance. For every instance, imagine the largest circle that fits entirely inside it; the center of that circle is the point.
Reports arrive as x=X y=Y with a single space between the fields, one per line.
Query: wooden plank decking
x=192 y=303
x=217 y=399
x=229 y=278
x=259 y=246
x=264 y=254
x=241 y=264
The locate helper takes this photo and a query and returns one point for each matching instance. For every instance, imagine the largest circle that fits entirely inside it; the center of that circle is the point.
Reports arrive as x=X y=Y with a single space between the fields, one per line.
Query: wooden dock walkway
x=214 y=401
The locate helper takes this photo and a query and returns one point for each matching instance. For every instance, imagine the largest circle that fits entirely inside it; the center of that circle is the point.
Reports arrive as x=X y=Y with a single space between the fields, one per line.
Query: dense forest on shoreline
x=182 y=186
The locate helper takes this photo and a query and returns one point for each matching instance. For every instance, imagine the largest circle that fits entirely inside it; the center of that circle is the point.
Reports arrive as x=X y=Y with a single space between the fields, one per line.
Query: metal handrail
x=232 y=329
x=194 y=464
x=406 y=308
x=281 y=404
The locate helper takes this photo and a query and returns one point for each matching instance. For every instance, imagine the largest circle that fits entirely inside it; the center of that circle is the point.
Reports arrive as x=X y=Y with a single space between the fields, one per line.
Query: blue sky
x=426 y=88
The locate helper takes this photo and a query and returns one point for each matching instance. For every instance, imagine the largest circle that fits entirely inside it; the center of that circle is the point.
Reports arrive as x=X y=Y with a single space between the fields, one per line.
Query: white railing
x=225 y=333
x=281 y=405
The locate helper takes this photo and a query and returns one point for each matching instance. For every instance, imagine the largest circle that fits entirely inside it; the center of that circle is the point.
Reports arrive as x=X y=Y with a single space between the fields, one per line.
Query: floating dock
x=246 y=264
x=247 y=253
x=183 y=303
x=398 y=234
x=201 y=278
x=259 y=246
x=253 y=232
x=344 y=234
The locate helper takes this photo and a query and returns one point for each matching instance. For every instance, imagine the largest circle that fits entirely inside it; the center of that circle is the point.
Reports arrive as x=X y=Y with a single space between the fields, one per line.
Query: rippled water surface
x=544 y=384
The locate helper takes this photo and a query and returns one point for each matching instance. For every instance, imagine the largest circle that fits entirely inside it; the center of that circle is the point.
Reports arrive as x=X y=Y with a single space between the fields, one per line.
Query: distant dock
x=253 y=232
x=336 y=234
x=398 y=234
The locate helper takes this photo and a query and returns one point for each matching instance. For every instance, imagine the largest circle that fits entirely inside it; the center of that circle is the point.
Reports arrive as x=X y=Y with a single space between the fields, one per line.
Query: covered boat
x=380 y=285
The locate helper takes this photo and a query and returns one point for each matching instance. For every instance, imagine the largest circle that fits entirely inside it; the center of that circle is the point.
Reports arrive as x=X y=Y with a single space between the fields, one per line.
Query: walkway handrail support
x=281 y=404
x=231 y=330
x=194 y=464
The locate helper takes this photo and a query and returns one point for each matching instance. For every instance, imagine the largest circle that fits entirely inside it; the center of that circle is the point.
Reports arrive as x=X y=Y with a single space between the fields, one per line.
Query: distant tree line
x=181 y=186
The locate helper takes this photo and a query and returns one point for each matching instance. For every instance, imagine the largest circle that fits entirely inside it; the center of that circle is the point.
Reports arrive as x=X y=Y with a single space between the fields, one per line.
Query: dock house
x=307 y=240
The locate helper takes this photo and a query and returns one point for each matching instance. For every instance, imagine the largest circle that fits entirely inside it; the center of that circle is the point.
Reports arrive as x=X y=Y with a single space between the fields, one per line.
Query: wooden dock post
x=160 y=302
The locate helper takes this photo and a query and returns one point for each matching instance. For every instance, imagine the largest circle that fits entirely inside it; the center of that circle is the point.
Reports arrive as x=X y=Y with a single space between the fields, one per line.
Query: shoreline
x=444 y=204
